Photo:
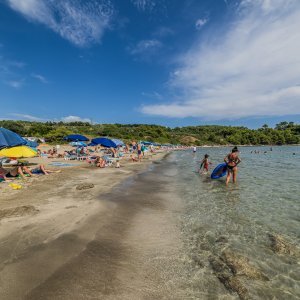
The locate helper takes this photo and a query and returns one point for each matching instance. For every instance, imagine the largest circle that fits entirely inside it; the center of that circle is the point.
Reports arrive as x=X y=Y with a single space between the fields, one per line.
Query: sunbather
x=12 y=173
x=39 y=170
x=100 y=162
x=133 y=159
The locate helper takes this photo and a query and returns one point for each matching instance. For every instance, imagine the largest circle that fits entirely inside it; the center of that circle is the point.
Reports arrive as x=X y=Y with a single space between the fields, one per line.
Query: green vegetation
x=283 y=133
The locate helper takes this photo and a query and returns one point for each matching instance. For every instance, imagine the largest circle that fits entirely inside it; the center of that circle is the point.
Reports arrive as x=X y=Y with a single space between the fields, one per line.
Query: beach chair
x=70 y=157
x=82 y=157
x=108 y=160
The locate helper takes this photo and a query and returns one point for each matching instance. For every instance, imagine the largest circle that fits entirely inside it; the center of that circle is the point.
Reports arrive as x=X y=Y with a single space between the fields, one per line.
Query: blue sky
x=168 y=62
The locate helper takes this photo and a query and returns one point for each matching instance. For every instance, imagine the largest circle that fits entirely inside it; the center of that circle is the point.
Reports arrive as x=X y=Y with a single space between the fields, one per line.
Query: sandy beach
x=58 y=242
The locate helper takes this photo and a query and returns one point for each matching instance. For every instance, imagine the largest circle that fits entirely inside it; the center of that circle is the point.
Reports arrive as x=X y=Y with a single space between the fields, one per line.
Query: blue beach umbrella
x=32 y=144
x=78 y=144
x=106 y=142
x=10 y=139
x=75 y=138
x=92 y=144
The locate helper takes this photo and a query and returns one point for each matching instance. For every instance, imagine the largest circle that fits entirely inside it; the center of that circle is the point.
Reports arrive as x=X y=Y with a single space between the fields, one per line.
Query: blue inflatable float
x=219 y=171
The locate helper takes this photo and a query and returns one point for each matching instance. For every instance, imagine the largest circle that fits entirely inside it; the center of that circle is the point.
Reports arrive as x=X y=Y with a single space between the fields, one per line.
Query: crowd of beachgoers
x=12 y=169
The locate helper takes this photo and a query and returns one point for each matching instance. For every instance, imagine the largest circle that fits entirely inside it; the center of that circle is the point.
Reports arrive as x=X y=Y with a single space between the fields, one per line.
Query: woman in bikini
x=232 y=160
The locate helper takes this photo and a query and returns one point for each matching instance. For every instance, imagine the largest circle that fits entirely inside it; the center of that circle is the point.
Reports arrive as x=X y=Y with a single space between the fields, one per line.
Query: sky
x=167 y=62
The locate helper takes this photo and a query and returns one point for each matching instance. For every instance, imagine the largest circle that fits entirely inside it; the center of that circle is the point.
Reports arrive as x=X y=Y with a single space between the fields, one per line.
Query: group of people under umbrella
x=78 y=140
x=13 y=145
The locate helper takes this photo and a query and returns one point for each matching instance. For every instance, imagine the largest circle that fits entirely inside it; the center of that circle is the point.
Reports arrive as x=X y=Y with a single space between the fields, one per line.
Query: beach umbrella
x=18 y=152
x=32 y=144
x=10 y=139
x=92 y=144
x=78 y=144
x=76 y=138
x=106 y=142
x=146 y=143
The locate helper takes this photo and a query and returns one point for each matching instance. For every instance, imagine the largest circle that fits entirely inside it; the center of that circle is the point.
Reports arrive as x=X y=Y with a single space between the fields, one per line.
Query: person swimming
x=232 y=160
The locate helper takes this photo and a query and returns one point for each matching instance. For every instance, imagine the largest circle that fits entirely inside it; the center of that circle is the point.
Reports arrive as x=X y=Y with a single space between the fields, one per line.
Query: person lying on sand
x=40 y=169
x=23 y=171
x=100 y=162
x=133 y=159
x=97 y=161
x=11 y=173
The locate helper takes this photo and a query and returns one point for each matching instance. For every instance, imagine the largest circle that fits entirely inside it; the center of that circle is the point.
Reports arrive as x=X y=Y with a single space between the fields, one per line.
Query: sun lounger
x=108 y=160
x=70 y=157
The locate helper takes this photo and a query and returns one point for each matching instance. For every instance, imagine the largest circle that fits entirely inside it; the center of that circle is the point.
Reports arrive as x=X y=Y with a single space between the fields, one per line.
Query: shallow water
x=239 y=219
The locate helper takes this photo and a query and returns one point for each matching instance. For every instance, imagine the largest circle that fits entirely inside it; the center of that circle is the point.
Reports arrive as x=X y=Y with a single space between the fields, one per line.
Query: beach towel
x=60 y=164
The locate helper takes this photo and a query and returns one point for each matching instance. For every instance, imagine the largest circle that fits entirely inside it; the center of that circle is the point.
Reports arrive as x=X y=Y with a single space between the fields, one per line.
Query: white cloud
x=146 y=47
x=39 y=77
x=144 y=5
x=66 y=119
x=26 y=117
x=163 y=32
x=69 y=119
x=16 y=84
x=200 y=23
x=251 y=69
x=154 y=95
x=17 y=64
x=11 y=73
x=80 y=22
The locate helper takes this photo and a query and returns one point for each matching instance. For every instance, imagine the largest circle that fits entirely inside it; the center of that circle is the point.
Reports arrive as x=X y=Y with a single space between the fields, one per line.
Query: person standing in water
x=232 y=160
x=194 y=149
x=205 y=164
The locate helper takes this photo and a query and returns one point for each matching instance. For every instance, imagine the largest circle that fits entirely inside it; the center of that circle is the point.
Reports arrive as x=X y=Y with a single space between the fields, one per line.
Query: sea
x=239 y=241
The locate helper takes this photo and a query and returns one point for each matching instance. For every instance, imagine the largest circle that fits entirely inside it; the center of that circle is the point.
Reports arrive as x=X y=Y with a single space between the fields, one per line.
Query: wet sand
x=118 y=240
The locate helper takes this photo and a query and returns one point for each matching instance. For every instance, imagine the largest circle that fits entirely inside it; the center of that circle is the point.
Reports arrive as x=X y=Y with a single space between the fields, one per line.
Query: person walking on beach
x=232 y=160
x=143 y=148
x=139 y=150
x=205 y=164
x=133 y=143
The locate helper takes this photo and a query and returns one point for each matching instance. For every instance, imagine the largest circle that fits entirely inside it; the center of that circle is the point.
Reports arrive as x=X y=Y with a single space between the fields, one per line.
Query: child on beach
x=205 y=164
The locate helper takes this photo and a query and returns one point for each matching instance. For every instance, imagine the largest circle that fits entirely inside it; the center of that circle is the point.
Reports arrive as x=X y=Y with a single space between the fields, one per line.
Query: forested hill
x=283 y=133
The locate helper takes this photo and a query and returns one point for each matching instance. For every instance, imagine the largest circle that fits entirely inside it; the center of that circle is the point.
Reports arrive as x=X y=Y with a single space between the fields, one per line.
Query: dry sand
x=57 y=242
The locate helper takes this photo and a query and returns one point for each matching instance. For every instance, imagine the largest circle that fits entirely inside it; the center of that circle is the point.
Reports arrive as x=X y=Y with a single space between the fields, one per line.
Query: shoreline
x=49 y=222
x=232 y=145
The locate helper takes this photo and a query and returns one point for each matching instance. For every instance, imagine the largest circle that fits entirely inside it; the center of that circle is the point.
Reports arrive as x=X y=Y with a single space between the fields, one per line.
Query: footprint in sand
x=18 y=211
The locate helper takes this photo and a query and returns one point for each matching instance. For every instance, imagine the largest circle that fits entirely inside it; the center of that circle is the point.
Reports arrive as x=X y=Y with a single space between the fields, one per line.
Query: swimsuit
x=37 y=171
x=139 y=152
x=231 y=160
x=9 y=175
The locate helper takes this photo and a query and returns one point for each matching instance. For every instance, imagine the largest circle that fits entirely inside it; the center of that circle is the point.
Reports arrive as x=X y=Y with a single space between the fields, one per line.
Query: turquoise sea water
x=239 y=219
